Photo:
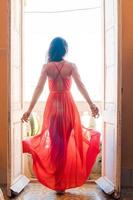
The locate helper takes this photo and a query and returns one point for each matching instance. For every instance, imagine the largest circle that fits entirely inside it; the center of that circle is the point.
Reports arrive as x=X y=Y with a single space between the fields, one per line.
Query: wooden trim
x=4 y=90
x=119 y=96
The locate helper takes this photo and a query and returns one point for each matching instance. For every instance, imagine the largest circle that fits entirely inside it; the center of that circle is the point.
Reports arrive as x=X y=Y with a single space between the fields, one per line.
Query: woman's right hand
x=25 y=117
x=94 y=110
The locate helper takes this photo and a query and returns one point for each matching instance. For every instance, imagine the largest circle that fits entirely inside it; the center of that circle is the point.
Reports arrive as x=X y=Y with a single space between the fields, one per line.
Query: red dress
x=62 y=156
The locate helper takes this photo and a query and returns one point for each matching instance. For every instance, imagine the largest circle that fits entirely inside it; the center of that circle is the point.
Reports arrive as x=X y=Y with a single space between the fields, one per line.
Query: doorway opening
x=85 y=50
x=79 y=49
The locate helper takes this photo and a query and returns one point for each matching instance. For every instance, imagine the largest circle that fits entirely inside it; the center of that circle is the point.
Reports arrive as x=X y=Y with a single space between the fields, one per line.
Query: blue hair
x=57 y=49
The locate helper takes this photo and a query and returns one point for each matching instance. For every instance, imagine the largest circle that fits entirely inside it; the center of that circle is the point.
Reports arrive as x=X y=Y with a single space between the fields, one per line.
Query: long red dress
x=62 y=156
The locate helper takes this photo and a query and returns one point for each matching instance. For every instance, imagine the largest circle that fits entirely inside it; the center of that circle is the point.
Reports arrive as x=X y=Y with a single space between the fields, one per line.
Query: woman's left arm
x=37 y=92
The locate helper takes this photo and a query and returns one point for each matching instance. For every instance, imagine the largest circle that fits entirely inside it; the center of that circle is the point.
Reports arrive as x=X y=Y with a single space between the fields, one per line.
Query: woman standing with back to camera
x=62 y=156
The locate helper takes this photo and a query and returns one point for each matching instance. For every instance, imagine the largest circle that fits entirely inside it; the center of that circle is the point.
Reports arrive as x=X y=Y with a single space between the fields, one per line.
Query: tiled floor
x=89 y=191
x=36 y=191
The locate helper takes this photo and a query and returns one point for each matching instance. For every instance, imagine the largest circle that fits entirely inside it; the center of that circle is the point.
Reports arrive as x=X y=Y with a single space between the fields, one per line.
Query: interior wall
x=127 y=97
x=4 y=73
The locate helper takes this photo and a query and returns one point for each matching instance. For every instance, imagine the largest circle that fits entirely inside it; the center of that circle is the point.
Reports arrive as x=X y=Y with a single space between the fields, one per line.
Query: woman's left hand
x=94 y=110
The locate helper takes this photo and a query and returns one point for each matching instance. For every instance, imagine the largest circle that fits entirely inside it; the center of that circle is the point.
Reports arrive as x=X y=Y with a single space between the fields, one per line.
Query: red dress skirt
x=62 y=156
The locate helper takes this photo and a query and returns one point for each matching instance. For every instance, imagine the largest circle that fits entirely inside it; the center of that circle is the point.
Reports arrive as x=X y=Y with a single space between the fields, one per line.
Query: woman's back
x=59 y=75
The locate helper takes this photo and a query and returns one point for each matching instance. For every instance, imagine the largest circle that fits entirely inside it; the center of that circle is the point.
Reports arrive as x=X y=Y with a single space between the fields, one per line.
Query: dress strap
x=59 y=71
x=59 y=74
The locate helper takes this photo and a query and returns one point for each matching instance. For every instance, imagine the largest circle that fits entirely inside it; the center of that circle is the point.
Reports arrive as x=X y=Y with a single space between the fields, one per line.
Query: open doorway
x=85 y=49
x=111 y=77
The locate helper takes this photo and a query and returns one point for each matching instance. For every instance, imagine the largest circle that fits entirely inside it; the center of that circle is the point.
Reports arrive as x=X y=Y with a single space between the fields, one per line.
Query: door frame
x=119 y=97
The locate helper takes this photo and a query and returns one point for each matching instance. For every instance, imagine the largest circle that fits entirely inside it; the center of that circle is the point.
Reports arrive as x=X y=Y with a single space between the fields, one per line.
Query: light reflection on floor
x=36 y=191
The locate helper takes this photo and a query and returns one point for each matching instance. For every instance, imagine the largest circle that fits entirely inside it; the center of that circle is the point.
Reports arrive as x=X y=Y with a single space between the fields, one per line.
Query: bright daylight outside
x=79 y=22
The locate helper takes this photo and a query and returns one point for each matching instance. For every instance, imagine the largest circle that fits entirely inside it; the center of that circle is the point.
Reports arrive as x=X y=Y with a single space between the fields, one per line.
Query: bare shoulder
x=72 y=65
x=44 y=68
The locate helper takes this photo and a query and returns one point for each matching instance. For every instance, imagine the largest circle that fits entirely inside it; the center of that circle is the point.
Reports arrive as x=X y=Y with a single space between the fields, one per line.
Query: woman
x=62 y=156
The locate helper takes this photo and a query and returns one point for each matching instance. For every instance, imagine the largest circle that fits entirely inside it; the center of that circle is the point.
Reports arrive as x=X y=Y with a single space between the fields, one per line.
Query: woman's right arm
x=83 y=91
x=37 y=92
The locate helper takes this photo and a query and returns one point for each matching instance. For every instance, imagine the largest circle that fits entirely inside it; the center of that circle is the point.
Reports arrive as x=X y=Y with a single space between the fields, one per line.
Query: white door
x=16 y=181
x=110 y=180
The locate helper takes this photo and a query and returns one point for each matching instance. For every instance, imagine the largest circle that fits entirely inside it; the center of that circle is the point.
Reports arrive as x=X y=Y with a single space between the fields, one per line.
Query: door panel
x=109 y=150
x=110 y=180
x=16 y=181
